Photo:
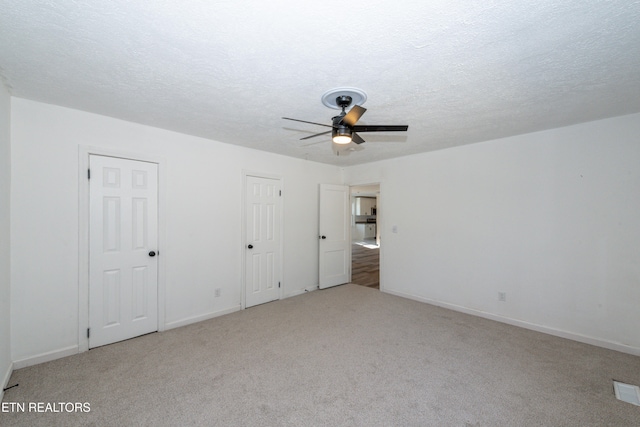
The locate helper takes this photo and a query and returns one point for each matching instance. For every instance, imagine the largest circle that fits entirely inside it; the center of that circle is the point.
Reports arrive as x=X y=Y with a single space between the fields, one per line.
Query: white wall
x=5 y=184
x=550 y=218
x=203 y=250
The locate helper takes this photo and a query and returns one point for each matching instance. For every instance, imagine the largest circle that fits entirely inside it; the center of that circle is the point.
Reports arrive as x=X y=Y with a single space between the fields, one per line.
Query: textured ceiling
x=457 y=72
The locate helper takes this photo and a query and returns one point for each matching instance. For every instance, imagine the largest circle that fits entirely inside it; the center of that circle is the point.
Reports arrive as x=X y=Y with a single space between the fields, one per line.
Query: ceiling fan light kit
x=343 y=127
x=341 y=134
x=342 y=140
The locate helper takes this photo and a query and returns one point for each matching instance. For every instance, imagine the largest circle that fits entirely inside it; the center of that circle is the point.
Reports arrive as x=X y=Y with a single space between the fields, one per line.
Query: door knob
x=250 y=246
x=152 y=253
x=323 y=237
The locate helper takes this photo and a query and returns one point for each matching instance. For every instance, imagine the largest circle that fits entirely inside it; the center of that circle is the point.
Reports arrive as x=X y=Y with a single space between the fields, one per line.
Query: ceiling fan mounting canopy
x=330 y=98
x=343 y=101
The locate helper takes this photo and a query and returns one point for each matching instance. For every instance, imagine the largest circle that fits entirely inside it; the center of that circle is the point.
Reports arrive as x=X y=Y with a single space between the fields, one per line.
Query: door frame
x=243 y=234
x=84 y=152
x=379 y=225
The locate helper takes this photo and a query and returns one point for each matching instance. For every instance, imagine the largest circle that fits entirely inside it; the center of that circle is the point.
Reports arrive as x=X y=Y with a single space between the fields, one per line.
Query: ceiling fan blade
x=304 y=121
x=317 y=134
x=356 y=138
x=352 y=117
x=380 y=128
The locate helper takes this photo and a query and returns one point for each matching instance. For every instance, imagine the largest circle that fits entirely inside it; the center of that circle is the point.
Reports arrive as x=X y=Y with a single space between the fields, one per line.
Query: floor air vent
x=627 y=392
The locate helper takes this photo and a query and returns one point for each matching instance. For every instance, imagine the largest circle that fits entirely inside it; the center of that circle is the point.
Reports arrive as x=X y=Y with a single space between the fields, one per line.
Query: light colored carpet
x=343 y=356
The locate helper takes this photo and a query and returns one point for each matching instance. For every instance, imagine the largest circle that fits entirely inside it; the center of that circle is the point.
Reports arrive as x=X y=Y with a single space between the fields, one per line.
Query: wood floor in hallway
x=365 y=264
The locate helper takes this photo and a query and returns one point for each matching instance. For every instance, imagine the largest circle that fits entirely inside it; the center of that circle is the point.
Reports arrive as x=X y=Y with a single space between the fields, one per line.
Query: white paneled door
x=262 y=247
x=334 y=238
x=123 y=249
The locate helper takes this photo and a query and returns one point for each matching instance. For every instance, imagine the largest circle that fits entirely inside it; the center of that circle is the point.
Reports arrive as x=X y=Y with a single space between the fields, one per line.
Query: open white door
x=334 y=238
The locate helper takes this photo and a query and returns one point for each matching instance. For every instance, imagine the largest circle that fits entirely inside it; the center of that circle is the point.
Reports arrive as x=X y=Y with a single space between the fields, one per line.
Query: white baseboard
x=301 y=291
x=200 y=318
x=522 y=324
x=69 y=351
x=5 y=380
x=45 y=357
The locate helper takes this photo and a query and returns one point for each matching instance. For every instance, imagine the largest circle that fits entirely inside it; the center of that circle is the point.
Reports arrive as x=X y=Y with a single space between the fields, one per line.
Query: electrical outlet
x=217 y=293
x=502 y=296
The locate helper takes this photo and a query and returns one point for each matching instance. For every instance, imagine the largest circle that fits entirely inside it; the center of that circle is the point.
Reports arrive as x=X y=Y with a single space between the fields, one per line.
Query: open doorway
x=365 y=235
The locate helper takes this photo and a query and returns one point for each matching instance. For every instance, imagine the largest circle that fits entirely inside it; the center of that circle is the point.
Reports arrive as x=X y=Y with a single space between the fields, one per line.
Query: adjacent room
x=258 y=213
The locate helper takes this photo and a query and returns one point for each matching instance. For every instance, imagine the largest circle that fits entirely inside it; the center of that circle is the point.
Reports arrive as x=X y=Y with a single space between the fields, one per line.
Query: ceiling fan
x=344 y=128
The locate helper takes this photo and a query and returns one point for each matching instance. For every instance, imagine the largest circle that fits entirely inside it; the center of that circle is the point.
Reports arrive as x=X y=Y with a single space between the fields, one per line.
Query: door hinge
x=88 y=173
x=278 y=284
x=88 y=332
x=280 y=193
